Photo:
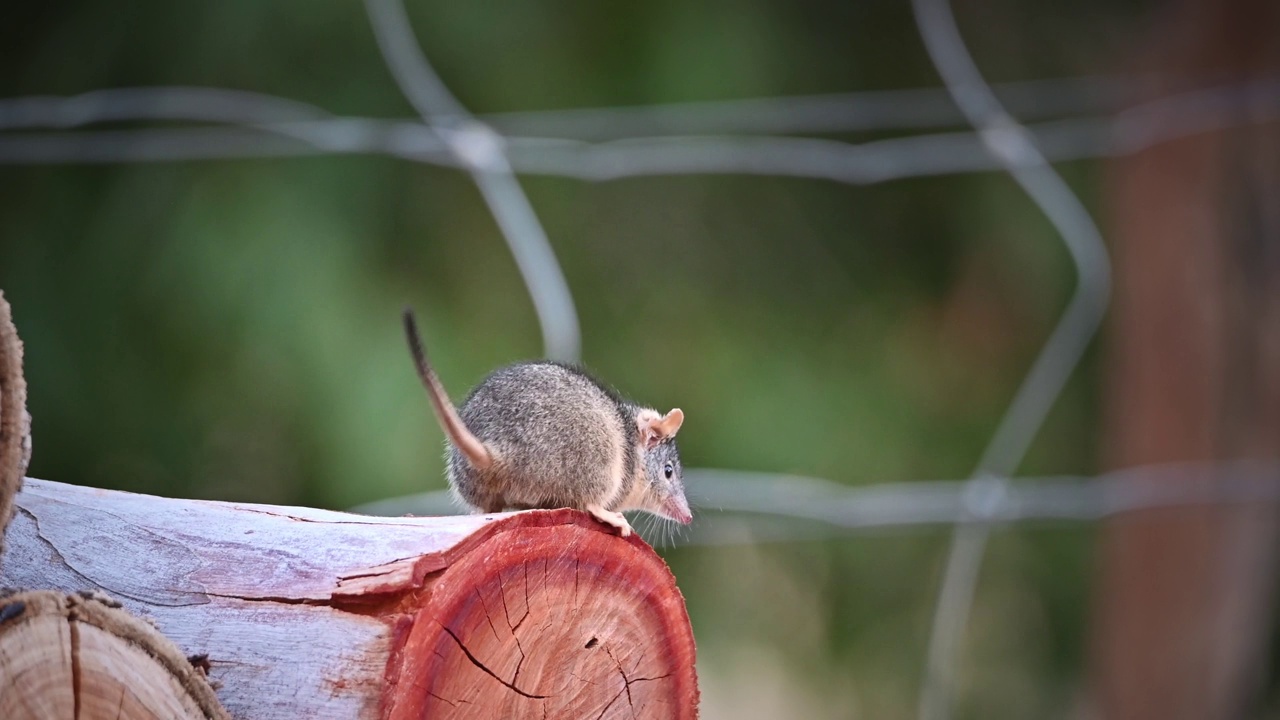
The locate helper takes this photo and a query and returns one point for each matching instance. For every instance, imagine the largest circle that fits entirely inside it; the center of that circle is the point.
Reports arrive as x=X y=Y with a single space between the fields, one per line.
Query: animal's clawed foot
x=609 y=517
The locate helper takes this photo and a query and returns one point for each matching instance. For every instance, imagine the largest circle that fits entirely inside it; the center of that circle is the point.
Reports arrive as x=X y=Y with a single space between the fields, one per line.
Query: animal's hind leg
x=609 y=517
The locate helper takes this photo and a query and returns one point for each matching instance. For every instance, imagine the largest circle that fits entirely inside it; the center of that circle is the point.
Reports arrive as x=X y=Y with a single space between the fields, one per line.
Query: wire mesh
x=1060 y=120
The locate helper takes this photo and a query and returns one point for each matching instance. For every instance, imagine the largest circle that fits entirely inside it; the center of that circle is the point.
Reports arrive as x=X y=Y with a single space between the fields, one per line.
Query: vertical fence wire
x=1010 y=144
x=481 y=151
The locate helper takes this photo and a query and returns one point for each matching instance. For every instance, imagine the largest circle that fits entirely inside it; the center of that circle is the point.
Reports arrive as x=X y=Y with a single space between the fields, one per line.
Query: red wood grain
x=549 y=616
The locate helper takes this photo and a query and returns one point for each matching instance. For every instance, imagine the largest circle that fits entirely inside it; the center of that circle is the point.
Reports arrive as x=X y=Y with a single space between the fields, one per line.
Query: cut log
x=15 y=424
x=81 y=656
x=318 y=614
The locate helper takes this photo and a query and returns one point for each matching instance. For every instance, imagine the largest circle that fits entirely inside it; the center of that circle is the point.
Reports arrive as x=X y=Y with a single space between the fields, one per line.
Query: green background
x=230 y=329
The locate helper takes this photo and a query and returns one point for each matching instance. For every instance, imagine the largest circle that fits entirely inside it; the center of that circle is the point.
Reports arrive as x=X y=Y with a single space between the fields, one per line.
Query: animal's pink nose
x=679 y=512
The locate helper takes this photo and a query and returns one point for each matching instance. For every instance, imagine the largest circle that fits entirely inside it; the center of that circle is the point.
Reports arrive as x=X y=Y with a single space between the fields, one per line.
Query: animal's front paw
x=609 y=517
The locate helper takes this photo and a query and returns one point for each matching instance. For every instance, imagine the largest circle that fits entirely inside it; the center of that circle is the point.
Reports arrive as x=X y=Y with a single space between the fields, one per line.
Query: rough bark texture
x=80 y=656
x=1185 y=596
x=15 y=424
x=317 y=614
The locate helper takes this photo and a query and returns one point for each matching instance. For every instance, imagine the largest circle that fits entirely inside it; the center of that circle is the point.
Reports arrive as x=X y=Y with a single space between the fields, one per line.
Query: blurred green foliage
x=230 y=329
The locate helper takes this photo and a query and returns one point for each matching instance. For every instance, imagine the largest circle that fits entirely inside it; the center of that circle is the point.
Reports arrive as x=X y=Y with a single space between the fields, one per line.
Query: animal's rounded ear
x=655 y=428
x=647 y=422
x=671 y=422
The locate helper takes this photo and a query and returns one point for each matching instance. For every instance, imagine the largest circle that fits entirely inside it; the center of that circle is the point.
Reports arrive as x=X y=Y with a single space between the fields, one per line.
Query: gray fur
x=558 y=440
x=547 y=435
x=657 y=491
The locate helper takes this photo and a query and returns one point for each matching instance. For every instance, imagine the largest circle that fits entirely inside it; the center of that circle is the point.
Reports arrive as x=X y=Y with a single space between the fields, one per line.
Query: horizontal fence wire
x=824 y=508
x=252 y=125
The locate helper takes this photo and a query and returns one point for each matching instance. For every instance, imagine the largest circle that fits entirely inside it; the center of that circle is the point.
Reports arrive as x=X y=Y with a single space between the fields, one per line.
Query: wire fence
x=1059 y=120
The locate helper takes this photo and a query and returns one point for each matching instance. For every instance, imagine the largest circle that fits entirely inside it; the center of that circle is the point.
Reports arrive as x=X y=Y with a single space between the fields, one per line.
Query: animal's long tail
x=459 y=435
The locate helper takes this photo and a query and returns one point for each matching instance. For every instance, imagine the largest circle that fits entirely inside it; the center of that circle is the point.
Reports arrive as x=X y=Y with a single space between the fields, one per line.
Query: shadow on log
x=317 y=614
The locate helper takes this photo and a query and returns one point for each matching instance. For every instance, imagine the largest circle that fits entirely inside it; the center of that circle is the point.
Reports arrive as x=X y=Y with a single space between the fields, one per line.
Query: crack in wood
x=476 y=661
x=488 y=617
x=506 y=610
x=326 y=521
x=279 y=599
x=502 y=594
x=527 y=605
x=94 y=584
x=450 y=703
x=516 y=677
x=626 y=684
x=74 y=628
x=609 y=705
x=576 y=567
x=391 y=567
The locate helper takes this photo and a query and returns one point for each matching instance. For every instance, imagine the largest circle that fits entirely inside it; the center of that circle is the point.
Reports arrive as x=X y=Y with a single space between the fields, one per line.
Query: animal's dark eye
x=668 y=470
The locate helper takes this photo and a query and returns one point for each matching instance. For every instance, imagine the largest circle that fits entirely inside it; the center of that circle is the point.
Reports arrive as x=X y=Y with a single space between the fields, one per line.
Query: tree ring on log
x=15 y=424
x=550 y=615
x=80 y=655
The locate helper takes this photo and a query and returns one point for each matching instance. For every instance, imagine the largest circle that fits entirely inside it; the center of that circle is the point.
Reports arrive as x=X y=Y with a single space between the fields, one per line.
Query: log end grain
x=547 y=614
x=81 y=656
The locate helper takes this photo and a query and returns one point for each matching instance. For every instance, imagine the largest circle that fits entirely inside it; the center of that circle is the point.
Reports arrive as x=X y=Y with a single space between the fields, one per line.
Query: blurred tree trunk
x=1184 y=603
